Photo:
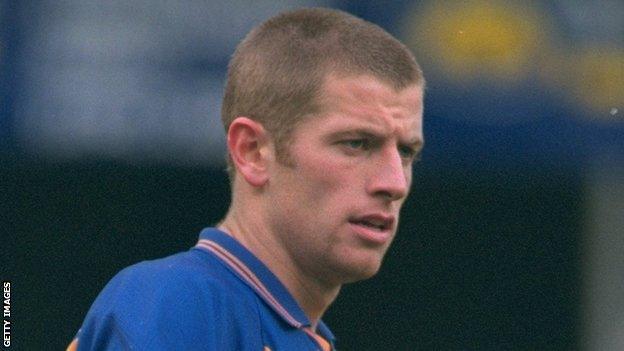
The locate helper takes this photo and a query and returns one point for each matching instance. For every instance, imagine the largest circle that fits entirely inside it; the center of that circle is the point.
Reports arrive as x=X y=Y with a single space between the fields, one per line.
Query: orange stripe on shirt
x=325 y=346
x=73 y=346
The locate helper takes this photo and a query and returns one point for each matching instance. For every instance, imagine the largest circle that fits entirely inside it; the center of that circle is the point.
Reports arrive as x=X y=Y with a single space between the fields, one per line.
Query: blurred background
x=111 y=152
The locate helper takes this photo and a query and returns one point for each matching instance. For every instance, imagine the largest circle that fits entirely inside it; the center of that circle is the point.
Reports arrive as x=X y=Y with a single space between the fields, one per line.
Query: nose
x=390 y=177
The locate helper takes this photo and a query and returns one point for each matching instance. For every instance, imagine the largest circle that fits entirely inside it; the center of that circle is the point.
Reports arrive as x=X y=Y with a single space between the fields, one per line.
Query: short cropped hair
x=277 y=72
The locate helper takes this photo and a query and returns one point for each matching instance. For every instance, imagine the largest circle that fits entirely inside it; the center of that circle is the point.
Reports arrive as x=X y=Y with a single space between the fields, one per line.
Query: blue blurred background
x=112 y=152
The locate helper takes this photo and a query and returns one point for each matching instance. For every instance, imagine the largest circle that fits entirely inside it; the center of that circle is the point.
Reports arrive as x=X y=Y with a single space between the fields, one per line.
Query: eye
x=407 y=152
x=356 y=144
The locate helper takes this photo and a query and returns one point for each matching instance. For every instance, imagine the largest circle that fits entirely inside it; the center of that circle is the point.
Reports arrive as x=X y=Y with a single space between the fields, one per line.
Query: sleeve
x=147 y=309
x=102 y=335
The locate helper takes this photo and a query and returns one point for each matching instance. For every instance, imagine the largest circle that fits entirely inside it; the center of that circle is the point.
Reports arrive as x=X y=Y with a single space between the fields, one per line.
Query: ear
x=249 y=146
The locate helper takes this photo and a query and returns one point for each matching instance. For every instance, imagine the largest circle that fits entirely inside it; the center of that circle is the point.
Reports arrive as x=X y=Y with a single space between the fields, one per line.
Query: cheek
x=328 y=188
x=324 y=179
x=328 y=176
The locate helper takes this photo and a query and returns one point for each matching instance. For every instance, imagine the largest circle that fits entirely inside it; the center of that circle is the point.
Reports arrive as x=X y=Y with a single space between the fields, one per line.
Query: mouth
x=375 y=229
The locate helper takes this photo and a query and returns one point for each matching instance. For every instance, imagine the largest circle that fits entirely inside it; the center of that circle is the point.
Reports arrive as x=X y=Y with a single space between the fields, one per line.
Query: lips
x=373 y=228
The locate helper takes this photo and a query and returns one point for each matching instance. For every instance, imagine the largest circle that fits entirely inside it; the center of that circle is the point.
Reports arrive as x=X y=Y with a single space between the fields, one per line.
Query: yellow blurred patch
x=478 y=38
x=597 y=80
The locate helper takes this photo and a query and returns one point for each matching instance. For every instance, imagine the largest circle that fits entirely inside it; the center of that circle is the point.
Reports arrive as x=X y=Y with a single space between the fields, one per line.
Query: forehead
x=364 y=100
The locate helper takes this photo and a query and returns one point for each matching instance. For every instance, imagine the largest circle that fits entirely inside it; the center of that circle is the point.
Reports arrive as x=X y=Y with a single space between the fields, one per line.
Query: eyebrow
x=371 y=132
x=415 y=143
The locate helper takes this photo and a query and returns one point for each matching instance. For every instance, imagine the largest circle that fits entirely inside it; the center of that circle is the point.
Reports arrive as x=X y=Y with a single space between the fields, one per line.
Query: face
x=336 y=209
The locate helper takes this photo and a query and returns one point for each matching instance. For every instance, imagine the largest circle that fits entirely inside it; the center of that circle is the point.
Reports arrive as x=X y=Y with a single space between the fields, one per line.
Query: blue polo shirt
x=216 y=296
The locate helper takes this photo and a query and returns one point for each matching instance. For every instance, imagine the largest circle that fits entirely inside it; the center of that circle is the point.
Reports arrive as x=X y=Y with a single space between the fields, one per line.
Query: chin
x=359 y=276
x=356 y=271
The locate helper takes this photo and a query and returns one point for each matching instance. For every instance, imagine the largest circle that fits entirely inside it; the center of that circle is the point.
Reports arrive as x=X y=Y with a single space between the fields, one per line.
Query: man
x=323 y=116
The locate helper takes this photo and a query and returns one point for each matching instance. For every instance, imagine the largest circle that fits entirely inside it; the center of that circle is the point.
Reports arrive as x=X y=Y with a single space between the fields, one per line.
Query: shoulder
x=182 y=273
x=170 y=280
x=189 y=296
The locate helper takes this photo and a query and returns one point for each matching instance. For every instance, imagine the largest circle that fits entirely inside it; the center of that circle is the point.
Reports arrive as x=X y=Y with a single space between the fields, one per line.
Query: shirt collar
x=254 y=273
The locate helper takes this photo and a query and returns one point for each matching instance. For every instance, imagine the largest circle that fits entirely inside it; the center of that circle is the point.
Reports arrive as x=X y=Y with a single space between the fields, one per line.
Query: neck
x=312 y=294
